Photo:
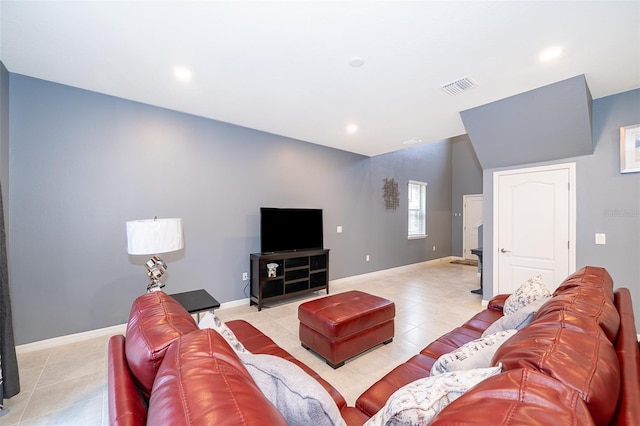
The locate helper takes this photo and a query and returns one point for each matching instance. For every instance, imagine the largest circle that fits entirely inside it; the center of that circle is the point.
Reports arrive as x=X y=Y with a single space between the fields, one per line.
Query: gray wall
x=607 y=201
x=543 y=124
x=81 y=164
x=466 y=180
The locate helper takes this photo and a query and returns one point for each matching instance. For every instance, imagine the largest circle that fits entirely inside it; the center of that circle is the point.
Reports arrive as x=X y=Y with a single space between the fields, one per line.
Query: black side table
x=478 y=252
x=196 y=301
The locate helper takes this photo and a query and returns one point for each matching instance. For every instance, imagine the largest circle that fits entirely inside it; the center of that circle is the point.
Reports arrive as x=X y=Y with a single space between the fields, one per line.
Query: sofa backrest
x=201 y=381
x=156 y=319
x=589 y=293
x=518 y=397
x=570 y=339
x=574 y=351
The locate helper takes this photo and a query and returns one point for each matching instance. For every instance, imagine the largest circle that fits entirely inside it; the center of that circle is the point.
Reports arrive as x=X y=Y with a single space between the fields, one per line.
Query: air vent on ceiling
x=462 y=85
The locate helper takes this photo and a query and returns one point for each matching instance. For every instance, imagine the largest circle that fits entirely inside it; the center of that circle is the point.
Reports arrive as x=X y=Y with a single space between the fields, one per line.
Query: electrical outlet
x=434 y=248
x=366 y=258
x=245 y=276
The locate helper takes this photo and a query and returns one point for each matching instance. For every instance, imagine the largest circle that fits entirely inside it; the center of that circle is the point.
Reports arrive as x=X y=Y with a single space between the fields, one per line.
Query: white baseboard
x=234 y=303
x=71 y=338
x=100 y=332
x=121 y=328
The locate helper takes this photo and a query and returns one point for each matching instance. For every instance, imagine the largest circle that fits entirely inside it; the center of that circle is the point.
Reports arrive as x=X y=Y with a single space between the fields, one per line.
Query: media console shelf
x=297 y=272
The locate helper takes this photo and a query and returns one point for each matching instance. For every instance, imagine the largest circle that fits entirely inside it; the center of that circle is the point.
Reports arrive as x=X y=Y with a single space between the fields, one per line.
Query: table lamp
x=153 y=237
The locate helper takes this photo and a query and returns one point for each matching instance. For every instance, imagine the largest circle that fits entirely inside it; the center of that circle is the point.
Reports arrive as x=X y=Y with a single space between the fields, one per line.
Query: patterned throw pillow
x=418 y=402
x=528 y=292
x=210 y=320
x=475 y=354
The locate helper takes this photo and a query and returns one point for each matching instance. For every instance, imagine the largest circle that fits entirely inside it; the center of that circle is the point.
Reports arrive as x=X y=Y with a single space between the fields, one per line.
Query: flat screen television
x=290 y=229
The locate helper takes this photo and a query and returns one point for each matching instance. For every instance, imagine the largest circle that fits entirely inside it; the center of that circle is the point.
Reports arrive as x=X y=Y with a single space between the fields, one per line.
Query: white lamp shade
x=154 y=236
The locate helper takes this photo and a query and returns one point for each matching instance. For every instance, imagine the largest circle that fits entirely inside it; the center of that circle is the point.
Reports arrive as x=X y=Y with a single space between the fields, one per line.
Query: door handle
x=504 y=251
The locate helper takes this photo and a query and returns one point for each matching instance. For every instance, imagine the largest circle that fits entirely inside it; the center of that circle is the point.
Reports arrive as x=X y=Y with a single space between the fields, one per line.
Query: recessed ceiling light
x=356 y=62
x=550 y=54
x=412 y=141
x=182 y=73
x=352 y=128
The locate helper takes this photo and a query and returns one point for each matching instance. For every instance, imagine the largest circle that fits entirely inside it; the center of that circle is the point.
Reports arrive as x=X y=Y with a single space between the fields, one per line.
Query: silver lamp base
x=155 y=269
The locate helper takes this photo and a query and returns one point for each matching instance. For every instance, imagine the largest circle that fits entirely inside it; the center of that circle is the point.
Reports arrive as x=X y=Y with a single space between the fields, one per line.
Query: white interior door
x=534 y=224
x=471 y=219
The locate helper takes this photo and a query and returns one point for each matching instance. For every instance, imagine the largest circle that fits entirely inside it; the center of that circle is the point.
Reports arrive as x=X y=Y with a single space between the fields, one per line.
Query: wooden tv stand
x=298 y=272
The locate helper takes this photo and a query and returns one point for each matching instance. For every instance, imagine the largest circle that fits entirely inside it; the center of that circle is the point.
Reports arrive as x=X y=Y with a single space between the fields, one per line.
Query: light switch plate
x=339 y=229
x=601 y=238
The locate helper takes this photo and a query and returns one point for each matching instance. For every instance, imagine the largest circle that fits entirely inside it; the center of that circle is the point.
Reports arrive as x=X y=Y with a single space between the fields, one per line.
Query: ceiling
x=284 y=67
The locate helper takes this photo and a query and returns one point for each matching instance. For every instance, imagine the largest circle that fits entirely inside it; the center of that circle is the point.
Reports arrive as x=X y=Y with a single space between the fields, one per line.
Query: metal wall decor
x=391 y=195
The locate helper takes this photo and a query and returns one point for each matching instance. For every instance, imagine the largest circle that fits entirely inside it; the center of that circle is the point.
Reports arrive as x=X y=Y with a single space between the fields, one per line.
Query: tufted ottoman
x=343 y=325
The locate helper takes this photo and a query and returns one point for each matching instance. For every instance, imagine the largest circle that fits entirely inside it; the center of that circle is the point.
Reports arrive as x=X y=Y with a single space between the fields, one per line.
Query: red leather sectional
x=577 y=363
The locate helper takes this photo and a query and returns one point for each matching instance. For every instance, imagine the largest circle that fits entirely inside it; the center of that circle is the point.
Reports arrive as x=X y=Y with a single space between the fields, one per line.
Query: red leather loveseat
x=576 y=363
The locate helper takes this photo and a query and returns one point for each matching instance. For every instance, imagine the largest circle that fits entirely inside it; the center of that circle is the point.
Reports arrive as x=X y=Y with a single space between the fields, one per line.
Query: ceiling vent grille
x=462 y=85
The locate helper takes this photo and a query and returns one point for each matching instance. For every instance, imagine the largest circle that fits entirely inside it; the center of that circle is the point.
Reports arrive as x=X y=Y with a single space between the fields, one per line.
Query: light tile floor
x=66 y=385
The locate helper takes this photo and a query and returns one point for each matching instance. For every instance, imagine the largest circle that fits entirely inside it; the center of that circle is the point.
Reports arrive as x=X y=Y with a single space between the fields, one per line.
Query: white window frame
x=421 y=211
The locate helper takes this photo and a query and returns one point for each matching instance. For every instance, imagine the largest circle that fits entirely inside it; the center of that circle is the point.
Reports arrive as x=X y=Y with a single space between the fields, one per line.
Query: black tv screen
x=290 y=229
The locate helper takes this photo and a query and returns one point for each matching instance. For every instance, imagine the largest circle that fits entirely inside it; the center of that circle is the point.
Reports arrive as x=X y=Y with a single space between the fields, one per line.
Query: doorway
x=534 y=225
x=471 y=219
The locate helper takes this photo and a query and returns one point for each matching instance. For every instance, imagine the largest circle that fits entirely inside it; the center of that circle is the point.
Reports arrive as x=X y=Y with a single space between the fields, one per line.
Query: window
x=417 y=193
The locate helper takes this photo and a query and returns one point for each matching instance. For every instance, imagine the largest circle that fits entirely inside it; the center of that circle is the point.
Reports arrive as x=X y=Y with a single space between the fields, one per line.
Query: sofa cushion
x=517 y=397
x=418 y=402
x=297 y=396
x=483 y=319
x=201 y=381
x=573 y=350
x=475 y=354
x=450 y=341
x=374 y=398
x=528 y=292
x=156 y=320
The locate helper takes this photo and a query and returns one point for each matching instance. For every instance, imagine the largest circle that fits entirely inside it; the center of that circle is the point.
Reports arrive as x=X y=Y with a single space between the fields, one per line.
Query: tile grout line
x=35 y=385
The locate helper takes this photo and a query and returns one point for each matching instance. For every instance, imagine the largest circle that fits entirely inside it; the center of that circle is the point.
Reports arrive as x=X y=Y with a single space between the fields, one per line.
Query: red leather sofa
x=577 y=363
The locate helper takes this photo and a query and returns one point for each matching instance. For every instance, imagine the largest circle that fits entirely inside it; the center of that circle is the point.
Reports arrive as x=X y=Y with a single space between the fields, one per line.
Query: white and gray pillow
x=518 y=320
x=528 y=292
x=210 y=320
x=475 y=354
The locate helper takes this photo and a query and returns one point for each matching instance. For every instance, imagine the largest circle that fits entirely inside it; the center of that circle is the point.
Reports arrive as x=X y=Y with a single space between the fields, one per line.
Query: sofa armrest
x=626 y=344
x=126 y=406
x=497 y=303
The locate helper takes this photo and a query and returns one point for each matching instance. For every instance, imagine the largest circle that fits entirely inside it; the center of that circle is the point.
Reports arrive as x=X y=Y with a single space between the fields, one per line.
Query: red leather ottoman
x=343 y=325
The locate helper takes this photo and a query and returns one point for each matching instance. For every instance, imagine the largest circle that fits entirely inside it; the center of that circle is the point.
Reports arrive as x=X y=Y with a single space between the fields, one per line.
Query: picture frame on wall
x=630 y=149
